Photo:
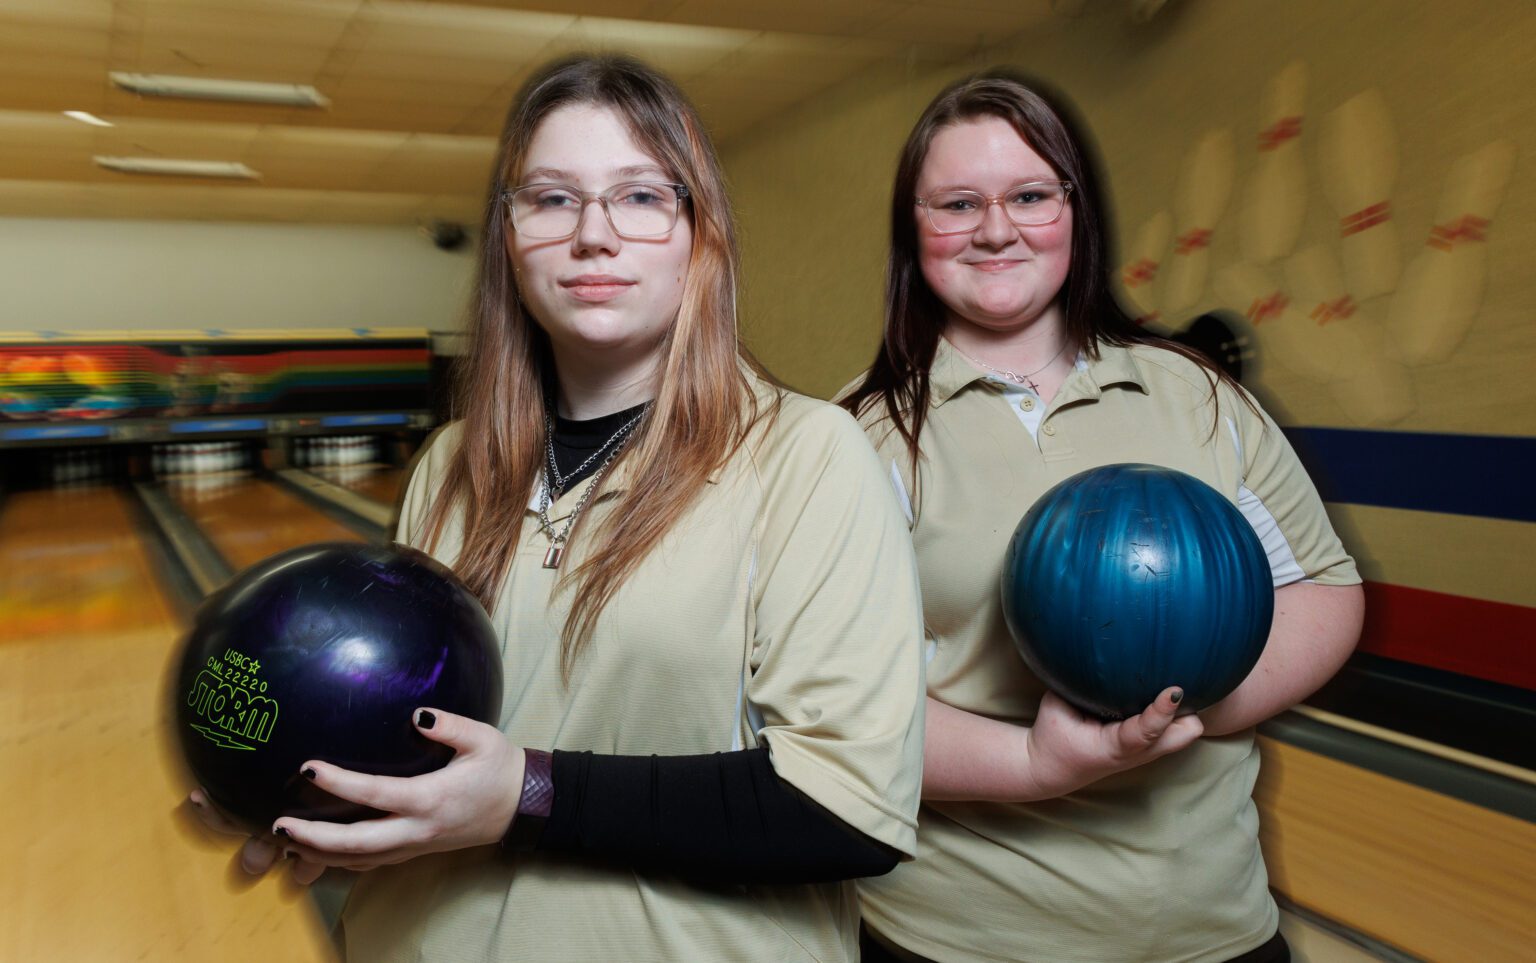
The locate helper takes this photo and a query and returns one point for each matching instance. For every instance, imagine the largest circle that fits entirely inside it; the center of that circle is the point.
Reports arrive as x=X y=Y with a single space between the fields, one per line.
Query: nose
x=594 y=234
x=996 y=229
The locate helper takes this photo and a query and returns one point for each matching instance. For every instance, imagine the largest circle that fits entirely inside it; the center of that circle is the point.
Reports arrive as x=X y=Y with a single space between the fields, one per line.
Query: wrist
x=534 y=805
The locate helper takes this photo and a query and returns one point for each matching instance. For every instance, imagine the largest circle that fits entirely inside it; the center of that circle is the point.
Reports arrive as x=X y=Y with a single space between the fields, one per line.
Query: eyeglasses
x=636 y=209
x=1027 y=205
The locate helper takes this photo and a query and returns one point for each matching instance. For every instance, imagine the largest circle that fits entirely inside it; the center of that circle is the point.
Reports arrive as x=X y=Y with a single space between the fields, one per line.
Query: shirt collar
x=951 y=373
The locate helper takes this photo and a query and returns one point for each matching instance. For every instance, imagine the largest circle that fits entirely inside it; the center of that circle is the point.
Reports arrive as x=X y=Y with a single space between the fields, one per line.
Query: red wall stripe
x=1489 y=640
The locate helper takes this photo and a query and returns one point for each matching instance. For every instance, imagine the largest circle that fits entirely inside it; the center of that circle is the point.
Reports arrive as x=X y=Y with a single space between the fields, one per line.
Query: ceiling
x=418 y=89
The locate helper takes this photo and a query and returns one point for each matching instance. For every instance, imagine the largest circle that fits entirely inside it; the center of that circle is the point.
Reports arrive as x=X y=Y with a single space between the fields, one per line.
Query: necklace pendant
x=1032 y=386
x=552 y=557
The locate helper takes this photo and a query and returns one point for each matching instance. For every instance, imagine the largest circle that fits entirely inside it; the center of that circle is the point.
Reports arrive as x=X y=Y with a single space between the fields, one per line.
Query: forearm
x=725 y=817
x=1314 y=631
x=966 y=757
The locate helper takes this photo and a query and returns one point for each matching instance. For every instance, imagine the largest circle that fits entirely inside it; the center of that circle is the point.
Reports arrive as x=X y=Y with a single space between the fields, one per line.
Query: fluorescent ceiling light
x=203 y=88
x=86 y=117
x=177 y=168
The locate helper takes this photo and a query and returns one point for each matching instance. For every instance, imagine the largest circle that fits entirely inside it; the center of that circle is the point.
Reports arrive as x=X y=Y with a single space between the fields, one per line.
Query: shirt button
x=1049 y=429
x=1028 y=404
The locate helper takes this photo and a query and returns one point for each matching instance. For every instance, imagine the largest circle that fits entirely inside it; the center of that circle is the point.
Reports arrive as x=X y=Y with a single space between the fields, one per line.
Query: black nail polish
x=308 y=773
x=426 y=719
x=281 y=832
x=1177 y=696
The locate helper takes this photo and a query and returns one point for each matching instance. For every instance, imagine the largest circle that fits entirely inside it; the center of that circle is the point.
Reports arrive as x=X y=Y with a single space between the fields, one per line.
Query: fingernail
x=282 y=832
x=426 y=719
x=308 y=773
x=1177 y=696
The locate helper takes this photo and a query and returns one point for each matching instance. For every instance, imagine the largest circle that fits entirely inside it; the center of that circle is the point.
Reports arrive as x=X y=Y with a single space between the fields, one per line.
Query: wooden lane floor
x=104 y=862
x=249 y=519
x=1437 y=877
x=381 y=483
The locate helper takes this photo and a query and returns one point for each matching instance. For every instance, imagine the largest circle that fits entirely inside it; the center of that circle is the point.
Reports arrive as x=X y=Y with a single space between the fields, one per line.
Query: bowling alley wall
x=1351 y=184
x=89 y=274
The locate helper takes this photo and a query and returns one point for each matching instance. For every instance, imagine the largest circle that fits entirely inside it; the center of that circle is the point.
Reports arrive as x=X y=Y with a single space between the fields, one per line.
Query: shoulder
x=1166 y=370
x=803 y=437
x=444 y=442
x=1171 y=374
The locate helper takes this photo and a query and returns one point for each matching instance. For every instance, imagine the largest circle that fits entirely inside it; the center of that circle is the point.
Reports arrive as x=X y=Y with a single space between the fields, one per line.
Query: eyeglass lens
x=633 y=210
x=953 y=212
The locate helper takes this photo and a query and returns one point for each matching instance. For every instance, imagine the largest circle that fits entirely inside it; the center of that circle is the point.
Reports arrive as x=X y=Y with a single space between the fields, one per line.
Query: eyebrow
x=1045 y=179
x=555 y=174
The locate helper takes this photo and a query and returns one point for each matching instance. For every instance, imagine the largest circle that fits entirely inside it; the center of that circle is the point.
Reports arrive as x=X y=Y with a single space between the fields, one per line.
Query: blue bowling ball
x=1126 y=579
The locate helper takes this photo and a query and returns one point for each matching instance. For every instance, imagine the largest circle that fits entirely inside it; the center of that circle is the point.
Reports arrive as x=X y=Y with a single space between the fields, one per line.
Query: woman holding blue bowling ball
x=1005 y=368
x=704 y=595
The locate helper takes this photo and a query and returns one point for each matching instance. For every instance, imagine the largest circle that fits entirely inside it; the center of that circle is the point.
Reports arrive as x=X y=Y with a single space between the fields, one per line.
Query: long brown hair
x=704 y=405
x=914 y=315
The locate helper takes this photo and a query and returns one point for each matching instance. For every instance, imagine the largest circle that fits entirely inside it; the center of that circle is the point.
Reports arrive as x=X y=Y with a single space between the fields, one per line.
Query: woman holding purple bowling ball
x=705 y=597
x=1005 y=368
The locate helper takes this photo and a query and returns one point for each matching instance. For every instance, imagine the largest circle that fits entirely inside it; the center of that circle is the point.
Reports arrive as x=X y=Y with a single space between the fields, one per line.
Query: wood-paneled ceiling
x=418 y=89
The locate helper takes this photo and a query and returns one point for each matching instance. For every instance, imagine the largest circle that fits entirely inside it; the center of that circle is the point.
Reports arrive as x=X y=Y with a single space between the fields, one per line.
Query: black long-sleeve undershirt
x=726 y=817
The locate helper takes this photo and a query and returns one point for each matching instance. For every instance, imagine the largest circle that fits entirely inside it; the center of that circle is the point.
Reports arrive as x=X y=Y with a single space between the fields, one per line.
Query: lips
x=996 y=264
x=596 y=287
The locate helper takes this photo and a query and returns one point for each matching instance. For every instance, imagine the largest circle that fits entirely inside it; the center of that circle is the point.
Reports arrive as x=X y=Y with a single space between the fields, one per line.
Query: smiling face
x=598 y=295
x=1000 y=277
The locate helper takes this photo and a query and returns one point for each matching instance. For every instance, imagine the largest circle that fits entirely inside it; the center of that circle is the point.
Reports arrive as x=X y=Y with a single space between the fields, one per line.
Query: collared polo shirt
x=1160 y=863
x=781 y=610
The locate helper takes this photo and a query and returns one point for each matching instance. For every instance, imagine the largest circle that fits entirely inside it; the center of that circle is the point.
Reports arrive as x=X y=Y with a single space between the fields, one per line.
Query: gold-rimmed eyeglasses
x=1027 y=205
x=636 y=209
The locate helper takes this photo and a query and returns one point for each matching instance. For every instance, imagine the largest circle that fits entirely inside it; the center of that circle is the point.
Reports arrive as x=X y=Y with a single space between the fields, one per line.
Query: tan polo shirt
x=1159 y=863
x=781 y=610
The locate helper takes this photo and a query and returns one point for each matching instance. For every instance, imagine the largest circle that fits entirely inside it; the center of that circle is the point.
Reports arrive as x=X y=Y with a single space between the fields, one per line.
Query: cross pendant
x=1032 y=386
x=552 y=557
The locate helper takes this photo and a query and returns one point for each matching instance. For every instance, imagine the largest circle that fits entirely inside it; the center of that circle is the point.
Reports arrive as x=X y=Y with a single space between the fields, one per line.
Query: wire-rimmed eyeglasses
x=636 y=209
x=1027 y=205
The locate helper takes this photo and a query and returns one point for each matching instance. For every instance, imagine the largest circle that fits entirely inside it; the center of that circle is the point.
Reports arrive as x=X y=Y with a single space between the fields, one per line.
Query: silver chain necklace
x=561 y=481
x=557 y=539
x=1018 y=379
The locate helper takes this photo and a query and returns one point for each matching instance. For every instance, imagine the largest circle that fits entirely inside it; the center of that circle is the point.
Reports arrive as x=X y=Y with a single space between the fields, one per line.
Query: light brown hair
x=703 y=406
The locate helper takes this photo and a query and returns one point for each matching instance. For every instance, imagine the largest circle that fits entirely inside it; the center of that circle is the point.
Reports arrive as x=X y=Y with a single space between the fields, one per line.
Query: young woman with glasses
x=706 y=598
x=1006 y=367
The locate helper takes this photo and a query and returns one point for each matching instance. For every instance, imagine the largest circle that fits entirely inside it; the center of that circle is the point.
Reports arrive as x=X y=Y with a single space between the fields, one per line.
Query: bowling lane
x=71 y=563
x=378 y=482
x=1434 y=876
x=103 y=865
x=249 y=519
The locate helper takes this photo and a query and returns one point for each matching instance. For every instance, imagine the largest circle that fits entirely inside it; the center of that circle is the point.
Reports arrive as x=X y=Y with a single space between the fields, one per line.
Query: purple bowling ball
x=324 y=652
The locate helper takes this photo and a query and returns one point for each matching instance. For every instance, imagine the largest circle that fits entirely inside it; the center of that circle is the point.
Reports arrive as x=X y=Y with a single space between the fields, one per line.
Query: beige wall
x=80 y=275
x=812 y=189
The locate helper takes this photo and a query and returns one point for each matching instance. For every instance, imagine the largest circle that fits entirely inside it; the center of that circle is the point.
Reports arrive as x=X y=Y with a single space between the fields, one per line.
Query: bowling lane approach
x=104 y=864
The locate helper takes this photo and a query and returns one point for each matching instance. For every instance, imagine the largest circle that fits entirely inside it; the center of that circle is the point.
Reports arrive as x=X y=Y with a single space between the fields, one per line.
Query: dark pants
x=871 y=950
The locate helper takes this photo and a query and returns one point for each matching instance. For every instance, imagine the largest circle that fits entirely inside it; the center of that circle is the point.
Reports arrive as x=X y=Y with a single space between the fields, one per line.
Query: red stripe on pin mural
x=1488 y=640
x=1365 y=218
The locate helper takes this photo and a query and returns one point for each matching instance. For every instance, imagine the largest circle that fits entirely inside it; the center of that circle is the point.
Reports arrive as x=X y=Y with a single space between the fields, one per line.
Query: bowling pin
x=1204 y=187
x=1357 y=147
x=1140 y=270
x=1275 y=201
x=1369 y=383
x=1280 y=328
x=1443 y=287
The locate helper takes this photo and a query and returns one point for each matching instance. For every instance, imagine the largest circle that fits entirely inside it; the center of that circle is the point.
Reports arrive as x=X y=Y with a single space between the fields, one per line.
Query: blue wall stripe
x=1492 y=476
